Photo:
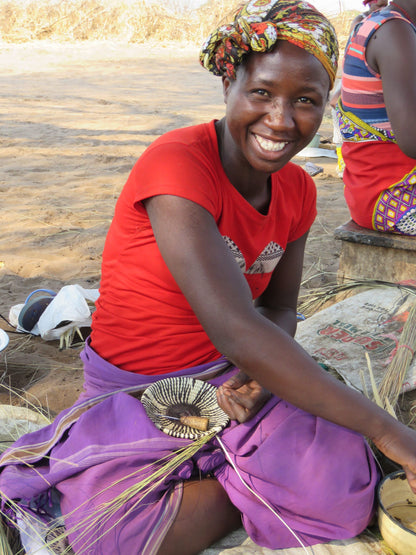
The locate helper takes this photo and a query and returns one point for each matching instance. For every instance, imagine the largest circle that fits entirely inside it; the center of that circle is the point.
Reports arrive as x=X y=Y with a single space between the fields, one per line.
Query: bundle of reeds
x=391 y=385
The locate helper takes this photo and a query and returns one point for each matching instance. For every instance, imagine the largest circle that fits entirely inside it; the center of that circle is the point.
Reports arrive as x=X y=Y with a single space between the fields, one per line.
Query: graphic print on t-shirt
x=265 y=263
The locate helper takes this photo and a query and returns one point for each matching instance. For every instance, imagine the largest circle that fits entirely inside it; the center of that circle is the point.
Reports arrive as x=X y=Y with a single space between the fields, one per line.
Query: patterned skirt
x=394 y=209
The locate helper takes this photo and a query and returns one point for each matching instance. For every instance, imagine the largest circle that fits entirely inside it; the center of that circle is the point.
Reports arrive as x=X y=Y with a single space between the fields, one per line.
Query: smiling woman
x=200 y=279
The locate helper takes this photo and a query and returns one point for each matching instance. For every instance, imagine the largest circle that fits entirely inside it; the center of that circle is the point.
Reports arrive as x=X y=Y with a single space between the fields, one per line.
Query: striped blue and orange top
x=362 y=90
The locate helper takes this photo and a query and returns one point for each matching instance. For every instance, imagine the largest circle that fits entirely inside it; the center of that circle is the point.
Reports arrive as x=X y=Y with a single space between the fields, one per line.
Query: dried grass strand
x=12 y=531
x=383 y=403
x=5 y=547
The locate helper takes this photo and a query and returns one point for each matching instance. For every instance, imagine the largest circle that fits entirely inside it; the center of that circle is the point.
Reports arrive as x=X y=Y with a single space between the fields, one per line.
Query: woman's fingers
x=244 y=403
x=231 y=407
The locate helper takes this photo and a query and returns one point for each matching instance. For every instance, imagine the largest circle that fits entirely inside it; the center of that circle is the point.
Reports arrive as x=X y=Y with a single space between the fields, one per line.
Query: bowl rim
x=381 y=505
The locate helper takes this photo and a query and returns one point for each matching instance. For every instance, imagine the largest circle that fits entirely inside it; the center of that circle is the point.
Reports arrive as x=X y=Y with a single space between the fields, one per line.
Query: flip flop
x=33 y=309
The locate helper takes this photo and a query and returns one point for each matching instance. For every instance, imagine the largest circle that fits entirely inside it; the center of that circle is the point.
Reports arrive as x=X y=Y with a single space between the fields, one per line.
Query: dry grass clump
x=80 y=20
x=133 y=21
x=9 y=540
x=126 y=20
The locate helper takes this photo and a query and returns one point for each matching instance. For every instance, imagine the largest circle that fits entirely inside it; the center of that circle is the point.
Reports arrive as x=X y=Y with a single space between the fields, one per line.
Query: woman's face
x=377 y=4
x=274 y=106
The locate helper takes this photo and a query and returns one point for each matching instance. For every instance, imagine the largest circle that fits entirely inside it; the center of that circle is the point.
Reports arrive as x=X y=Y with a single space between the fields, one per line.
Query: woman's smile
x=270 y=145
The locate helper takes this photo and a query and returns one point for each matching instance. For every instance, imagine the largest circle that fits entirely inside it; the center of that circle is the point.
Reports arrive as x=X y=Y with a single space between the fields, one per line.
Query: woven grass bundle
x=391 y=386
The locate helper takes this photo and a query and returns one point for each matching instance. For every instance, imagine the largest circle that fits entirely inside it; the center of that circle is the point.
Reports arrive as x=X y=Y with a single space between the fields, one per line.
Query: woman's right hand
x=399 y=445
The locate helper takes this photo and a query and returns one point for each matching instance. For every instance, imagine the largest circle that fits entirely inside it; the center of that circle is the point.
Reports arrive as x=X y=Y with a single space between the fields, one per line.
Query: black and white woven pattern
x=176 y=397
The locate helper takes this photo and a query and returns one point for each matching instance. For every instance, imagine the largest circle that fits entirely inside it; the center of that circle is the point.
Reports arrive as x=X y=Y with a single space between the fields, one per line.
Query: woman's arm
x=215 y=287
x=241 y=396
x=391 y=52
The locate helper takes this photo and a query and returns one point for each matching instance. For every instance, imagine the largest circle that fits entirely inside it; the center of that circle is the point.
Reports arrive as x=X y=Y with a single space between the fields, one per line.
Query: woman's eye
x=260 y=92
x=305 y=100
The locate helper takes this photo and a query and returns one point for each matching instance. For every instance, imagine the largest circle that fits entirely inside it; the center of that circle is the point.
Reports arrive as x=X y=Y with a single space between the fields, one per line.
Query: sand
x=74 y=119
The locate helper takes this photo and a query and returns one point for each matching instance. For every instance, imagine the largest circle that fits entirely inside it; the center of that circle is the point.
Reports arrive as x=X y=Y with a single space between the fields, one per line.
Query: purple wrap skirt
x=319 y=477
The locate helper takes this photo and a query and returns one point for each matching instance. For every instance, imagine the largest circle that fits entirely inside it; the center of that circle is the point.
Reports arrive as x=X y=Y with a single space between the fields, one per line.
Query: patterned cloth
x=355 y=130
x=259 y=24
x=396 y=207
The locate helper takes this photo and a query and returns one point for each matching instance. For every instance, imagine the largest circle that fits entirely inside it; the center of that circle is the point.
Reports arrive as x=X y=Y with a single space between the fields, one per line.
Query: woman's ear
x=226 y=86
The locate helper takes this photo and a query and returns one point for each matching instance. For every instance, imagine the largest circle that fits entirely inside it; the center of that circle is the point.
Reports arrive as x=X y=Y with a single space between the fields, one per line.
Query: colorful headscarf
x=257 y=26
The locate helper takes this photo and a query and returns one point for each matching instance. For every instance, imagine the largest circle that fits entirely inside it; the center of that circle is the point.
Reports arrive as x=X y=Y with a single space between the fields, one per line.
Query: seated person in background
x=336 y=92
x=200 y=278
x=377 y=115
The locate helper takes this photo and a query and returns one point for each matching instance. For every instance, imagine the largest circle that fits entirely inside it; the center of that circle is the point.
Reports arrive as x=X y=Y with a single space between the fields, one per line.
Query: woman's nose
x=279 y=116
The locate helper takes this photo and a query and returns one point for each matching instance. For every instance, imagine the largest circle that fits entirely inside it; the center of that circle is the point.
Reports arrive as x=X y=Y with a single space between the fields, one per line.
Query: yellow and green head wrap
x=259 y=24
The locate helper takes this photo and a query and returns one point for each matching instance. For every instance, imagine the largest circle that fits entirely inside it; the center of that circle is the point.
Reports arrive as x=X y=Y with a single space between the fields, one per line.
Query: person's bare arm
x=241 y=396
x=213 y=284
x=396 y=64
x=335 y=94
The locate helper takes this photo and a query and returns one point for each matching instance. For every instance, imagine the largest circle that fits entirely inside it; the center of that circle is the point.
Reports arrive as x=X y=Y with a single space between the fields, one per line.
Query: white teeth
x=271 y=146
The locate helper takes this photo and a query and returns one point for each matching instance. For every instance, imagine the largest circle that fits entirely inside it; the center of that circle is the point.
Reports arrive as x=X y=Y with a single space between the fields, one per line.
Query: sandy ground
x=74 y=119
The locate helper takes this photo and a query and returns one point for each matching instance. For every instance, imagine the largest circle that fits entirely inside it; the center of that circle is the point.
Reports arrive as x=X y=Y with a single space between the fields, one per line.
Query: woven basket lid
x=176 y=397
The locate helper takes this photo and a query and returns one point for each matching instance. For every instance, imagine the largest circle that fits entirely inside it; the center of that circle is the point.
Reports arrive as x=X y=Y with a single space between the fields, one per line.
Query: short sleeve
x=179 y=169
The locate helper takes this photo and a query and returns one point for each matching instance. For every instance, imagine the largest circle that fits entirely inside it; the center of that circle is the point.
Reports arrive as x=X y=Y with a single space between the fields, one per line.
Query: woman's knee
x=206 y=515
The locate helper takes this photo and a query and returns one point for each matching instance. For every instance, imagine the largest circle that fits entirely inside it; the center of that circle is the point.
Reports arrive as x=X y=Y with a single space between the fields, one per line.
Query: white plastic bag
x=68 y=305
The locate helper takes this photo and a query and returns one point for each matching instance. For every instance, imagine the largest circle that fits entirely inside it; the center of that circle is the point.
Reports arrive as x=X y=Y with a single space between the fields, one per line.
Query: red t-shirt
x=143 y=323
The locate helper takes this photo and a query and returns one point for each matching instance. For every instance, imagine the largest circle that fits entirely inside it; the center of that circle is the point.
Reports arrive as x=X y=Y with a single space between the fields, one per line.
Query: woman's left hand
x=241 y=397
